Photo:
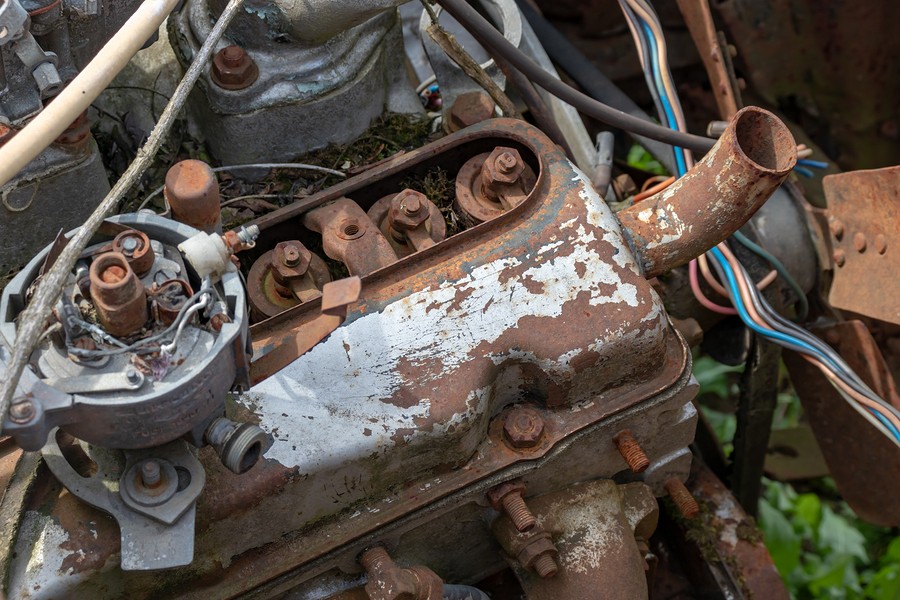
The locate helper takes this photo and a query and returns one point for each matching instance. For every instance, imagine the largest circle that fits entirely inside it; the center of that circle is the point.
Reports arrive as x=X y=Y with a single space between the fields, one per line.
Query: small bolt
x=132 y=375
x=129 y=245
x=21 y=412
x=880 y=244
x=150 y=473
x=248 y=235
x=375 y=560
x=411 y=205
x=839 y=257
x=291 y=256
x=632 y=452
x=859 y=241
x=233 y=55
x=518 y=512
x=682 y=498
x=837 y=229
x=505 y=162
x=545 y=566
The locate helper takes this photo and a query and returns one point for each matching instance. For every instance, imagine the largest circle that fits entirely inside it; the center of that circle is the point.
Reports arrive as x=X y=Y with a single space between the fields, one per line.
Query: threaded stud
x=545 y=566
x=684 y=501
x=518 y=512
x=632 y=452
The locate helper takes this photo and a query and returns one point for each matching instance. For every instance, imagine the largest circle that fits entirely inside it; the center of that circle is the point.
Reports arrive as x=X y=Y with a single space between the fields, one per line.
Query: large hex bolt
x=409 y=219
x=631 y=451
x=682 y=497
x=290 y=261
x=523 y=428
x=233 y=69
x=192 y=192
x=388 y=581
x=468 y=109
x=539 y=555
x=118 y=295
x=501 y=177
x=507 y=497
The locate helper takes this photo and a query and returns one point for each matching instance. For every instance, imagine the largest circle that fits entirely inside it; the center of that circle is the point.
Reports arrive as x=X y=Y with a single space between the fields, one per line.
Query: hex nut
x=496 y=494
x=233 y=69
x=537 y=547
x=400 y=215
x=468 y=109
x=290 y=260
x=523 y=428
x=503 y=166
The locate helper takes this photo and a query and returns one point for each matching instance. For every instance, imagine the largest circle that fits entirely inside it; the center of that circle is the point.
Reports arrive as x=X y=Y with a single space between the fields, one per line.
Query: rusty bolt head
x=523 y=428
x=837 y=229
x=503 y=166
x=539 y=555
x=233 y=69
x=468 y=109
x=859 y=241
x=21 y=411
x=409 y=210
x=880 y=244
x=290 y=260
x=839 y=257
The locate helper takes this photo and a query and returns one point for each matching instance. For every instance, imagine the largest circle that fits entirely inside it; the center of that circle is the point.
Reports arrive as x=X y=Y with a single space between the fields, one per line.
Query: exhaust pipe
x=714 y=199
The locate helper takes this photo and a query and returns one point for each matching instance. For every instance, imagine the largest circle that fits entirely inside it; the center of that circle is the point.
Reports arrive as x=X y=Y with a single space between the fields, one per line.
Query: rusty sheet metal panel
x=864 y=222
x=865 y=466
x=392 y=429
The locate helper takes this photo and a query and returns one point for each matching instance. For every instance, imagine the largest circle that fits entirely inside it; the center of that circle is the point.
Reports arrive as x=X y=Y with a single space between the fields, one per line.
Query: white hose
x=84 y=89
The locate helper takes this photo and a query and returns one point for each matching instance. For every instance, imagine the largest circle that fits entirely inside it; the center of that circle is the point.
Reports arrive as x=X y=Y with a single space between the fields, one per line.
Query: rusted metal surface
x=168 y=298
x=590 y=533
x=394 y=423
x=523 y=428
x=118 y=295
x=233 y=69
x=350 y=236
x=722 y=549
x=492 y=183
x=715 y=57
x=838 y=42
x=192 y=192
x=865 y=467
x=409 y=221
x=284 y=277
x=135 y=245
x=864 y=223
x=388 y=581
x=468 y=109
x=716 y=197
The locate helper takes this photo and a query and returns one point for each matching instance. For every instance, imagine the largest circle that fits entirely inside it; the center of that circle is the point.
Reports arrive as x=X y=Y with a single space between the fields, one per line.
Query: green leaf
x=838 y=536
x=892 y=554
x=836 y=578
x=808 y=510
x=886 y=583
x=779 y=537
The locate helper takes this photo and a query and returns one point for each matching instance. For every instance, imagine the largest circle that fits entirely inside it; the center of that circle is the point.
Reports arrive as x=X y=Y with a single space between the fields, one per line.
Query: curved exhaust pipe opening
x=754 y=155
x=762 y=137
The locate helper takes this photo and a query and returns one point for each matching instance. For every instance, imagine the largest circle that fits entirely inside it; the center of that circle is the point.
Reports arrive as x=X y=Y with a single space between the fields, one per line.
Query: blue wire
x=815 y=164
x=720 y=258
x=804 y=171
x=680 y=163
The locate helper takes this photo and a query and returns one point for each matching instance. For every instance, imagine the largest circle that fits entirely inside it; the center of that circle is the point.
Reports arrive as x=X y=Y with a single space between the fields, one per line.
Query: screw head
x=523 y=428
x=880 y=244
x=22 y=411
x=837 y=229
x=129 y=245
x=132 y=375
x=859 y=241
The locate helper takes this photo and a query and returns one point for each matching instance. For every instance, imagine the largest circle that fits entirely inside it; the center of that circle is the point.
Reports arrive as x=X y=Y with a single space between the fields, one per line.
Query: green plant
x=821 y=549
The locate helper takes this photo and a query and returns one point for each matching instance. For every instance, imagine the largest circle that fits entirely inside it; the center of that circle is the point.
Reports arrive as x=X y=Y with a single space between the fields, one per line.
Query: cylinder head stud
x=681 y=496
x=150 y=473
x=632 y=452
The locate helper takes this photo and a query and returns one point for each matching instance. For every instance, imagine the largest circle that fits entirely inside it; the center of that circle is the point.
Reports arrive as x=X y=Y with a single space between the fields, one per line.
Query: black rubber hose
x=463 y=592
x=597 y=85
x=494 y=42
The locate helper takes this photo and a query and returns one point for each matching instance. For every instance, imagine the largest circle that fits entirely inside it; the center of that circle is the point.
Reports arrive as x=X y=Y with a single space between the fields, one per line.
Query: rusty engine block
x=516 y=385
